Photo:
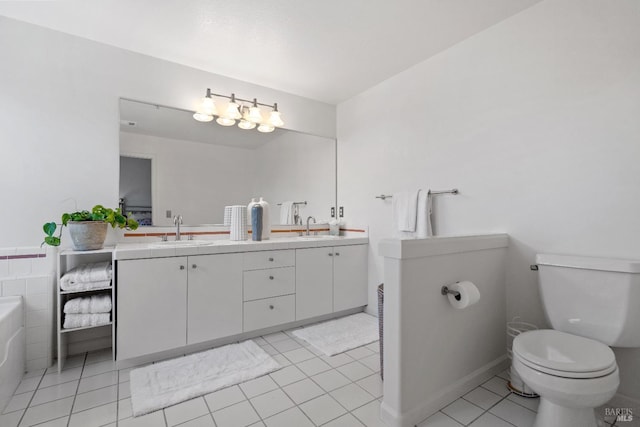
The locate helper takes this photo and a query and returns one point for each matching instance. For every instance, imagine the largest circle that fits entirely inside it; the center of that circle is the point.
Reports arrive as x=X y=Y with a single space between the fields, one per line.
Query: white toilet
x=591 y=303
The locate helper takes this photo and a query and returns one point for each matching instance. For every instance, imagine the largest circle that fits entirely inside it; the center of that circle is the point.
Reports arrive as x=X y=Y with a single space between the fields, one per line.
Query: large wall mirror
x=170 y=164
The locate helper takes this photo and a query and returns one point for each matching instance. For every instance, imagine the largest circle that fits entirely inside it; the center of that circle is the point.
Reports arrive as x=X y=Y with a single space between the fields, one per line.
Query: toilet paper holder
x=445 y=290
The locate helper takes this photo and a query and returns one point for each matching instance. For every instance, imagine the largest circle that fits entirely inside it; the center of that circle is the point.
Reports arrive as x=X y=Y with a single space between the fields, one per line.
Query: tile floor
x=311 y=390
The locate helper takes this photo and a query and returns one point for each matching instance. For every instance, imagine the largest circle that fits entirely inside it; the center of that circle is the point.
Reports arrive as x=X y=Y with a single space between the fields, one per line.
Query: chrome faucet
x=177 y=221
x=314 y=221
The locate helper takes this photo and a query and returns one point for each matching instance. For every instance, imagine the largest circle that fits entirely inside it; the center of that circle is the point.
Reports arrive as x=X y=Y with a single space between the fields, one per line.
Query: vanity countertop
x=186 y=248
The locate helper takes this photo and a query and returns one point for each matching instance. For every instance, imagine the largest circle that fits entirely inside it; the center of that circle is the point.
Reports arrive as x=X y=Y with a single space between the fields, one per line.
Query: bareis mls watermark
x=621 y=414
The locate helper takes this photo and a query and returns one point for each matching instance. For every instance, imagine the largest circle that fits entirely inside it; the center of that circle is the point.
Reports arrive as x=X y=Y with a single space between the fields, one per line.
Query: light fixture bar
x=252 y=101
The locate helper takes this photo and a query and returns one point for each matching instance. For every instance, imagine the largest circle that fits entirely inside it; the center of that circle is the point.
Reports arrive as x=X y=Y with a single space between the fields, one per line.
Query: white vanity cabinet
x=165 y=303
x=330 y=279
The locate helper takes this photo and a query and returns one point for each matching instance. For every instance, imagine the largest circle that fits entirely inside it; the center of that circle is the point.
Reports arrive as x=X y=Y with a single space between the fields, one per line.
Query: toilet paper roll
x=469 y=294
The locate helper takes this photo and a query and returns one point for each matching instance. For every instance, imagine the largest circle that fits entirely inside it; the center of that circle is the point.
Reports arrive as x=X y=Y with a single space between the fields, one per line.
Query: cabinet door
x=152 y=306
x=215 y=297
x=350 y=273
x=314 y=282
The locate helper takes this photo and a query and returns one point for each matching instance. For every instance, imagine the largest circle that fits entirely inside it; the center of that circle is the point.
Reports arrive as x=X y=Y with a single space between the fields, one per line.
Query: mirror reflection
x=171 y=164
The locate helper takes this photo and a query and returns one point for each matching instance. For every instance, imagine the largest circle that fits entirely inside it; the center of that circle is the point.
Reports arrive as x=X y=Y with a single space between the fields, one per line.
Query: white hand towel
x=423 y=220
x=94 y=272
x=405 y=205
x=85 y=305
x=286 y=212
x=84 y=286
x=83 y=320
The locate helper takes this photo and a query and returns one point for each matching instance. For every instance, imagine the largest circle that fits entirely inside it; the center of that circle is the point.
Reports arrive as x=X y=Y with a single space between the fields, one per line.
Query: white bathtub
x=12 y=347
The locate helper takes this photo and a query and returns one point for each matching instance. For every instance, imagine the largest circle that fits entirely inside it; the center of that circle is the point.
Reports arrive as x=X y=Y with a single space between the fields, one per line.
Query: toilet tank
x=597 y=298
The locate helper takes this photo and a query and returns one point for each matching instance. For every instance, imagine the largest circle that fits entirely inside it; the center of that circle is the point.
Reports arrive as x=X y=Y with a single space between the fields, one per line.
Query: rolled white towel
x=84 y=286
x=92 y=304
x=83 y=320
x=94 y=272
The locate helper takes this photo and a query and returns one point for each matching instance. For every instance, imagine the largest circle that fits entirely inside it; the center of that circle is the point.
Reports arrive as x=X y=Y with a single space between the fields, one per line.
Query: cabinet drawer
x=269 y=312
x=269 y=259
x=271 y=282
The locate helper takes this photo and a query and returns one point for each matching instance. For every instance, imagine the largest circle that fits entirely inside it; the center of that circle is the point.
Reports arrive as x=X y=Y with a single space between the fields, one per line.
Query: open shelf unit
x=89 y=337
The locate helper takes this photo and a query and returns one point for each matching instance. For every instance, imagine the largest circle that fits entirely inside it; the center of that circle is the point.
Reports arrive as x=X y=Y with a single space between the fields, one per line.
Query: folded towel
x=83 y=320
x=95 y=272
x=405 y=204
x=287 y=213
x=423 y=220
x=92 y=304
x=84 y=286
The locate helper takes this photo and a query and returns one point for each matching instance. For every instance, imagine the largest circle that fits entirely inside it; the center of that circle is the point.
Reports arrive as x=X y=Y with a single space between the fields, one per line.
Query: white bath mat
x=164 y=384
x=340 y=335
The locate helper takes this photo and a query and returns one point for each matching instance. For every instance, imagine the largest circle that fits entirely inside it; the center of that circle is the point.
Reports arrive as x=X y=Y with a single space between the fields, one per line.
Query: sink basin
x=180 y=243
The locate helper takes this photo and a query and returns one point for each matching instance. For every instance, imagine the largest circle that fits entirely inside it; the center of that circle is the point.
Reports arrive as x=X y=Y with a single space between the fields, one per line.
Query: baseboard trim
x=449 y=394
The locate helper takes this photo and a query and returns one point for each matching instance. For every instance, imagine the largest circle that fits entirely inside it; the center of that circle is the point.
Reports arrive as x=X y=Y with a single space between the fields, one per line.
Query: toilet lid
x=562 y=354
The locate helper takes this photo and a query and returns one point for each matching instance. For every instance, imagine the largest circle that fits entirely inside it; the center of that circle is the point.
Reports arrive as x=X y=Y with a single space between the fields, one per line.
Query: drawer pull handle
x=271 y=259
x=270 y=277
x=194 y=266
x=337 y=253
x=330 y=254
x=271 y=307
x=182 y=267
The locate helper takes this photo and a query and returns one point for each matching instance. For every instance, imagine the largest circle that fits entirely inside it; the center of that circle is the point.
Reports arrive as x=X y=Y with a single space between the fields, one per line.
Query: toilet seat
x=564 y=355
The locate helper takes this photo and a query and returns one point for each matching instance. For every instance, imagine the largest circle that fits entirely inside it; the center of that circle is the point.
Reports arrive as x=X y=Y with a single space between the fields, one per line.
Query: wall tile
x=44 y=362
x=14 y=287
x=38 y=302
x=38 y=285
x=4 y=268
x=38 y=318
x=37 y=334
x=19 y=267
x=36 y=351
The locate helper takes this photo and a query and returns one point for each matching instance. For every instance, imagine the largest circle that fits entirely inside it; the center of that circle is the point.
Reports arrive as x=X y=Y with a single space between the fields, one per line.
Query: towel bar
x=432 y=193
x=296 y=203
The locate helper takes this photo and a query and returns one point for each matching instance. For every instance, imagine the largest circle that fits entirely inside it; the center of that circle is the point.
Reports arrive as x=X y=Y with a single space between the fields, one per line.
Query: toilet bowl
x=573 y=375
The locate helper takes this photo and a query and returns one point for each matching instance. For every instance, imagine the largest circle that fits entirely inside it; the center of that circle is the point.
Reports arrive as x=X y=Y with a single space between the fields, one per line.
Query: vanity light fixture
x=247 y=111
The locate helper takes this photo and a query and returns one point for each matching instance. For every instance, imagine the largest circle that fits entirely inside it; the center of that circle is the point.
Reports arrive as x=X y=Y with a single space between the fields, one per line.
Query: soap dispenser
x=249 y=207
x=266 y=221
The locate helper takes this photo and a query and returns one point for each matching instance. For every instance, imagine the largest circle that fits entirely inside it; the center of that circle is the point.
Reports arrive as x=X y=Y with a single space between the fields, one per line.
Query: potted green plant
x=88 y=230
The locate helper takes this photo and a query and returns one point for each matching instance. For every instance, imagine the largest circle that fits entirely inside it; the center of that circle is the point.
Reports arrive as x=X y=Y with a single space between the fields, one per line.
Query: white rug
x=340 y=335
x=164 y=384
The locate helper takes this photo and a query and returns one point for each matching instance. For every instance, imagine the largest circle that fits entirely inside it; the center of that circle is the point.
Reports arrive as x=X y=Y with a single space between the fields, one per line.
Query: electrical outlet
x=333 y=212
x=168 y=213
x=341 y=211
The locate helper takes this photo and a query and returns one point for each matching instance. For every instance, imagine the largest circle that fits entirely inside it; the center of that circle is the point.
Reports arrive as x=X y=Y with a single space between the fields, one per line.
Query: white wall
x=535 y=120
x=59 y=119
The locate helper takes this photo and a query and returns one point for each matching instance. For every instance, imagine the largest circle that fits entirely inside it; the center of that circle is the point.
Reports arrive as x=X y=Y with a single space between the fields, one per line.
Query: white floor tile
x=154 y=419
x=124 y=390
x=27 y=384
x=258 y=386
x=271 y=403
x=258 y=424
x=65 y=376
x=298 y=355
x=18 y=401
x=347 y=420
x=11 y=420
x=98 y=368
x=275 y=337
x=94 y=398
x=60 y=391
x=374 y=346
x=283 y=361
x=372 y=385
x=372 y=362
x=124 y=408
x=98 y=381
x=223 y=398
x=99 y=356
x=238 y=415
x=355 y=371
x=204 y=421
x=359 y=353
x=462 y=411
x=337 y=360
x=259 y=341
x=514 y=413
x=288 y=375
x=97 y=416
x=313 y=366
x=527 y=402
x=489 y=420
x=34 y=373
x=303 y=391
x=185 y=411
x=497 y=385
x=60 y=422
x=47 y=411
x=322 y=409
x=269 y=349
x=286 y=345
x=439 y=420
x=482 y=397
x=330 y=380
x=506 y=374
x=289 y=418
x=351 y=396
x=369 y=414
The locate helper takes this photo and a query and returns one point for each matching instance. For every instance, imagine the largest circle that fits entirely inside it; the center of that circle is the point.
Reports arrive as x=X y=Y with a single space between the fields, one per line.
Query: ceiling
x=326 y=50
x=167 y=122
